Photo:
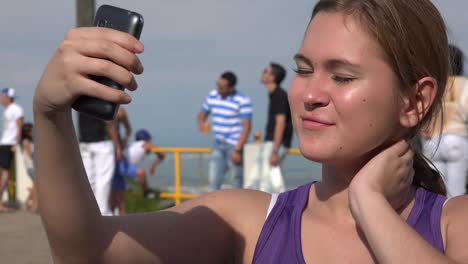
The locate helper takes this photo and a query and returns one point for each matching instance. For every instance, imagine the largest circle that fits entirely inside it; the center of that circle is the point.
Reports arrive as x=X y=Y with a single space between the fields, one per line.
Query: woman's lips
x=315 y=123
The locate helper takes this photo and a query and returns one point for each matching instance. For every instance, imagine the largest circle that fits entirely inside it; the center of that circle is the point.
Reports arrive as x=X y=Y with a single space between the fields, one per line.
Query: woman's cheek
x=294 y=94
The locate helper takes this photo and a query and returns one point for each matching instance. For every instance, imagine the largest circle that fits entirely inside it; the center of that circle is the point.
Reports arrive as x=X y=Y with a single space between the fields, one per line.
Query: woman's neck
x=330 y=196
x=332 y=192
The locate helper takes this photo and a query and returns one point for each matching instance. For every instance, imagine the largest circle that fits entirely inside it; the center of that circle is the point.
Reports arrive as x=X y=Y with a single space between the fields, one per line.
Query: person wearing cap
x=11 y=136
x=129 y=167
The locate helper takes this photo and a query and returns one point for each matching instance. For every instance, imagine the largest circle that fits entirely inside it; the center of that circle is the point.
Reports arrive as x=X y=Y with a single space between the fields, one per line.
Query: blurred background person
x=129 y=166
x=124 y=131
x=100 y=148
x=448 y=151
x=27 y=148
x=278 y=130
x=231 y=113
x=123 y=123
x=12 y=124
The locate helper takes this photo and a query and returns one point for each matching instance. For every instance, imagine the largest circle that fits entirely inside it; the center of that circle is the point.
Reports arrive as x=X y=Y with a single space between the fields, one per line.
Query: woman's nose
x=315 y=93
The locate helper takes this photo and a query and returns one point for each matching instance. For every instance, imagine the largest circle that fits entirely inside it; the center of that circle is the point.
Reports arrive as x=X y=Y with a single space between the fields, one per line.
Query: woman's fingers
x=123 y=39
x=397 y=149
x=105 y=49
x=105 y=68
x=411 y=175
x=406 y=160
x=408 y=156
x=400 y=148
x=91 y=88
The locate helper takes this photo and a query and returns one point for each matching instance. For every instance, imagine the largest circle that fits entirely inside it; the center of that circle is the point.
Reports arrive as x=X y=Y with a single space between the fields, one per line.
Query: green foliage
x=136 y=203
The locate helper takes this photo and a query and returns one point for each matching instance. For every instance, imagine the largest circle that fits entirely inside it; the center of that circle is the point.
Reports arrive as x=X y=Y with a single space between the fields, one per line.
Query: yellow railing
x=12 y=183
x=294 y=151
x=177 y=195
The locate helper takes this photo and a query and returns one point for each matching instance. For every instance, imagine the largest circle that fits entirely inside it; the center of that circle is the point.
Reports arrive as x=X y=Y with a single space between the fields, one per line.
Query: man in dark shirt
x=278 y=132
x=99 y=147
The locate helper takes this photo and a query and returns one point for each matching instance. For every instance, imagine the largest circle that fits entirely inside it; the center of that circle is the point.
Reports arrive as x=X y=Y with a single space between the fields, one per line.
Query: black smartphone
x=122 y=20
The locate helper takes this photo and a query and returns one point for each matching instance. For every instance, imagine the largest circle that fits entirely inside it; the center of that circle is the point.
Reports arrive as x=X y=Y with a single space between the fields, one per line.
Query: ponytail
x=426 y=175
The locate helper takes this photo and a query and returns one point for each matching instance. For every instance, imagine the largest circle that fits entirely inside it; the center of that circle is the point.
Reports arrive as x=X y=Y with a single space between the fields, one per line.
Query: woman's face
x=344 y=100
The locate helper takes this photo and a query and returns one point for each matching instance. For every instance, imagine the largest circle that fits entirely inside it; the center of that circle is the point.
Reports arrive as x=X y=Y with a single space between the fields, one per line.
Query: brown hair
x=413 y=38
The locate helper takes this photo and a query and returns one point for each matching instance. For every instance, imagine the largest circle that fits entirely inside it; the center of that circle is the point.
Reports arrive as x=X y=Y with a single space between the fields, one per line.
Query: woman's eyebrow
x=301 y=58
x=331 y=64
x=335 y=64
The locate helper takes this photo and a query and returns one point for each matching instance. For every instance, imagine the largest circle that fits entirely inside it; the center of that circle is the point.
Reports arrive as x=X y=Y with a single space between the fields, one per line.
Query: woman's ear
x=416 y=105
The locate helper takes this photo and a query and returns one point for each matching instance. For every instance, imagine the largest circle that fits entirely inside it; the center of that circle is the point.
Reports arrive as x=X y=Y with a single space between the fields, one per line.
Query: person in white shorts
x=99 y=147
x=11 y=136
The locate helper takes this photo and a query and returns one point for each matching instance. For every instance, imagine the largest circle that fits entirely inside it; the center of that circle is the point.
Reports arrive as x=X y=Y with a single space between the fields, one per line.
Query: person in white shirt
x=12 y=125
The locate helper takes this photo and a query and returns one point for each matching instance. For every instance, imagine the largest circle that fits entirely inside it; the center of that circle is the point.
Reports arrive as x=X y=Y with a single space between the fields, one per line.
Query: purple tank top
x=280 y=239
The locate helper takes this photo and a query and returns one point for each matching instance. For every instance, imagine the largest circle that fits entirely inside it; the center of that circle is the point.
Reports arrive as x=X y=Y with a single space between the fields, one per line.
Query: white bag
x=276 y=180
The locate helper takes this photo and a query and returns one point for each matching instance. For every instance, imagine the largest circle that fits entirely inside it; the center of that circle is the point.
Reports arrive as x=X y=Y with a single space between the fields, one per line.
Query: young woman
x=371 y=73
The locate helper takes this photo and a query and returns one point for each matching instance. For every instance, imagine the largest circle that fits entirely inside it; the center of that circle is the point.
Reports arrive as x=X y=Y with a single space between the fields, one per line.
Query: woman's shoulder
x=238 y=207
x=243 y=210
x=454 y=219
x=456 y=207
x=233 y=202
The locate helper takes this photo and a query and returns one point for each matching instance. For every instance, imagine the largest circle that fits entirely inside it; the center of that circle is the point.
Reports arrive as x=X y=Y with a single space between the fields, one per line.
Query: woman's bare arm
x=204 y=230
x=454 y=219
x=198 y=231
x=68 y=209
x=208 y=229
x=383 y=187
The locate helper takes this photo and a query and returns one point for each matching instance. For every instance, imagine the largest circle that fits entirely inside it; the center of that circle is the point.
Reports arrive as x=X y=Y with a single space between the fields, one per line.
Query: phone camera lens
x=102 y=23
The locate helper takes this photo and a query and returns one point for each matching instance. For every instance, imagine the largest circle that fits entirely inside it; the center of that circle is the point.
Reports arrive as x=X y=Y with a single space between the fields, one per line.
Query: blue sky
x=188 y=44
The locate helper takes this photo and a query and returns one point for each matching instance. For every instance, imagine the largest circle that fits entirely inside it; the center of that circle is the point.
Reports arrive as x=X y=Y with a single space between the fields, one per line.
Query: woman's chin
x=327 y=156
x=318 y=156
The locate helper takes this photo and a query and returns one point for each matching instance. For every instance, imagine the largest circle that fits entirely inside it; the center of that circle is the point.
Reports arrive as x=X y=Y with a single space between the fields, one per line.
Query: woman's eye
x=342 y=80
x=303 y=72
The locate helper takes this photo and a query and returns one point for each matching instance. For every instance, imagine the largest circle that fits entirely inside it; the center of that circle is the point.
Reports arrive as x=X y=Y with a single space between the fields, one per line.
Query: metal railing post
x=177 y=176
x=12 y=182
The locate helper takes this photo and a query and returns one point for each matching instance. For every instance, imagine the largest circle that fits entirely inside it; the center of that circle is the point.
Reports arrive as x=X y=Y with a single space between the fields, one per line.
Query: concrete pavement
x=23 y=239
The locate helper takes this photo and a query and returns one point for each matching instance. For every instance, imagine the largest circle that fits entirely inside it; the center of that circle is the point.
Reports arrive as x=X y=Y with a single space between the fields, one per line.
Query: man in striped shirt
x=231 y=115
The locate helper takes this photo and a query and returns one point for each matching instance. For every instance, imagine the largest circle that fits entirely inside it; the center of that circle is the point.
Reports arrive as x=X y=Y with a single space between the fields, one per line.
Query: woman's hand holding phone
x=84 y=52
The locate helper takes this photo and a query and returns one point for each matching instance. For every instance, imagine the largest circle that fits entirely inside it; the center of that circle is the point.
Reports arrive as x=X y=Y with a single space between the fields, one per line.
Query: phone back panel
x=119 y=19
